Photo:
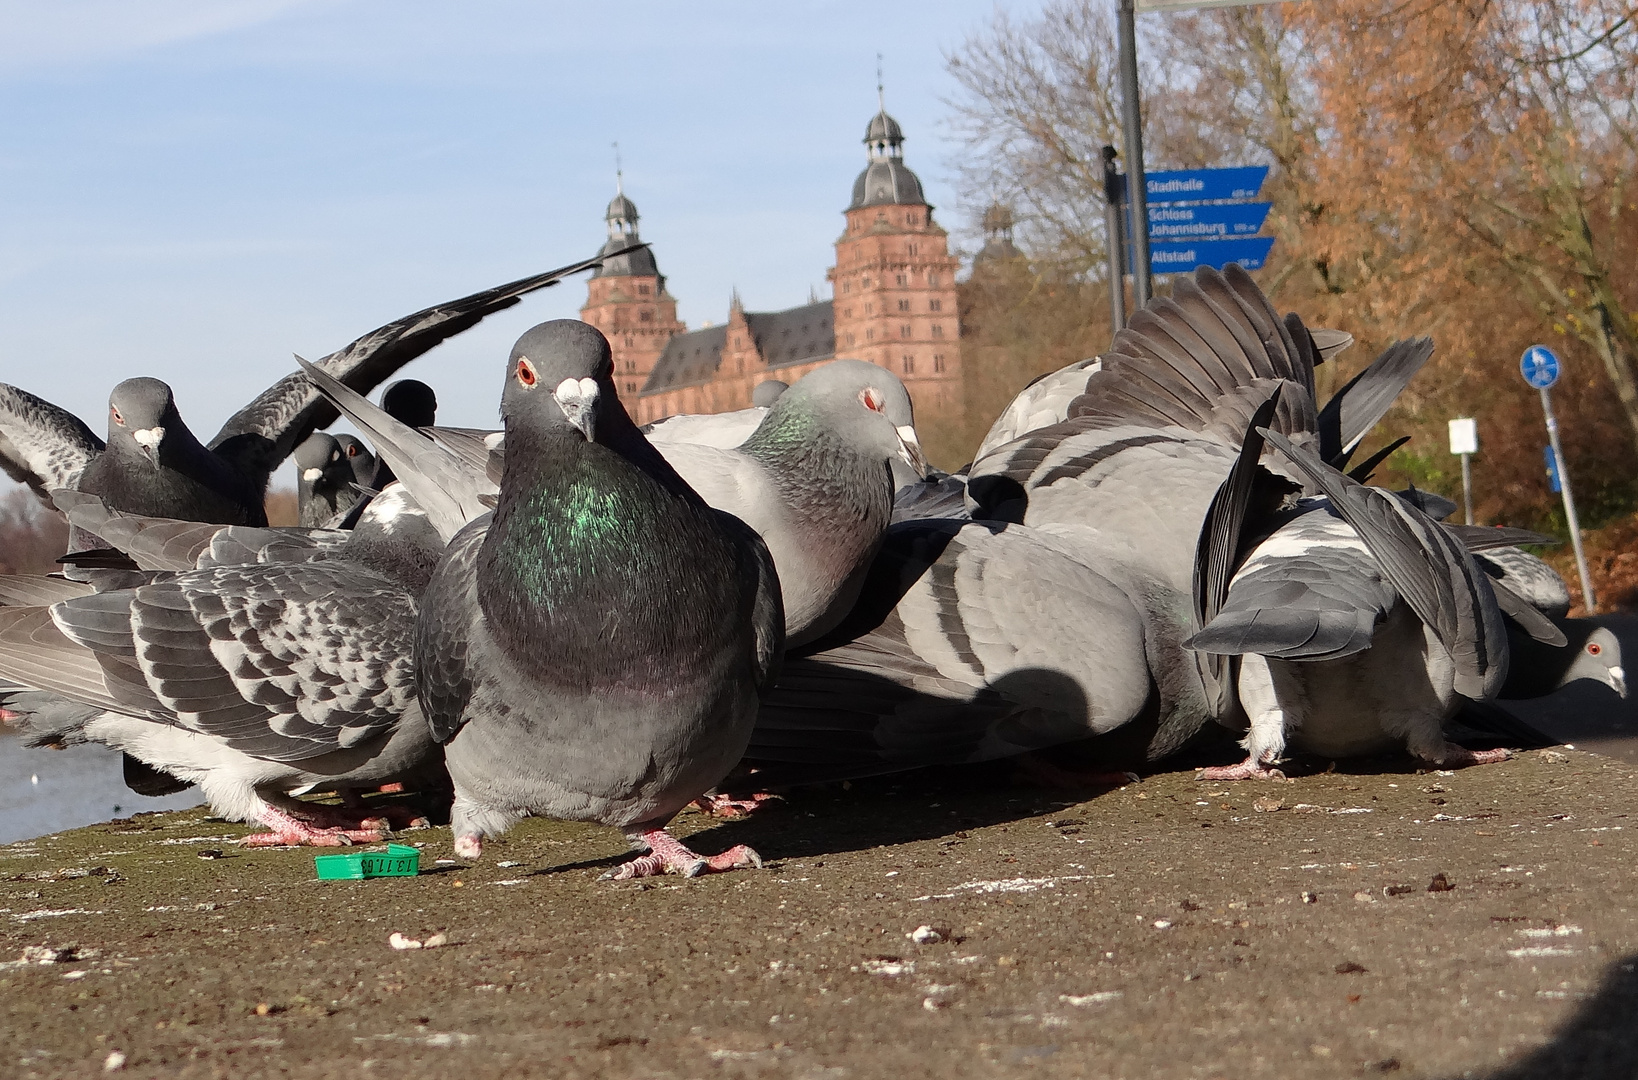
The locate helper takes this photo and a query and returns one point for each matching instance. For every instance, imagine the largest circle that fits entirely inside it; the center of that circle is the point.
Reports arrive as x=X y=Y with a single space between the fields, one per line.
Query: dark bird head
x=140 y=414
x=863 y=405
x=559 y=379
x=767 y=392
x=1599 y=659
x=358 y=457
x=321 y=460
x=412 y=402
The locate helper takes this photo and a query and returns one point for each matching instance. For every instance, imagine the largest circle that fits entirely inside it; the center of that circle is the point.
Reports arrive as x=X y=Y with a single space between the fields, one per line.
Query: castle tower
x=627 y=300
x=894 y=279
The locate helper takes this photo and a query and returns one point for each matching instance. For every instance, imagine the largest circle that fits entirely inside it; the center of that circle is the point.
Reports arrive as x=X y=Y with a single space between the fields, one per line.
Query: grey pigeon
x=1530 y=577
x=945 y=657
x=253 y=682
x=1360 y=622
x=153 y=465
x=594 y=649
x=254 y=662
x=724 y=430
x=326 y=485
x=815 y=482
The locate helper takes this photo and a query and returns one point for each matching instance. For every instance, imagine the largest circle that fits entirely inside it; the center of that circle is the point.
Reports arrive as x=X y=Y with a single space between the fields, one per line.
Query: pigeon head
x=321 y=457
x=1598 y=658
x=412 y=402
x=559 y=378
x=864 y=405
x=767 y=392
x=358 y=457
x=140 y=412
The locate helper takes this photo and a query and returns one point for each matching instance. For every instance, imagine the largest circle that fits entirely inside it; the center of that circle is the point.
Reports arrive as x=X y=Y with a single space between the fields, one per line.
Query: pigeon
x=593 y=649
x=1529 y=577
x=253 y=681
x=726 y=429
x=944 y=658
x=153 y=464
x=326 y=483
x=1047 y=398
x=815 y=481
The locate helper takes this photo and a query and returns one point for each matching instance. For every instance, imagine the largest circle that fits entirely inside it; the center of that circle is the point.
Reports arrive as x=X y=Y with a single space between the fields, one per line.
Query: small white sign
x=1464 y=436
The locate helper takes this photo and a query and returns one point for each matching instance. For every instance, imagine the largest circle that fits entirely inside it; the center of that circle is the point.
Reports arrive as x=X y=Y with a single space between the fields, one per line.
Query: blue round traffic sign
x=1540 y=366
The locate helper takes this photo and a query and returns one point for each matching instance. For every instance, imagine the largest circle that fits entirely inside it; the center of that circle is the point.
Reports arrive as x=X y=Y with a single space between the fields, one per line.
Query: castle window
x=864 y=283
x=850 y=338
x=935 y=305
x=909 y=364
x=642 y=290
x=847 y=286
x=631 y=388
x=938 y=330
x=938 y=362
x=903 y=279
x=646 y=316
x=904 y=305
x=870 y=335
x=847 y=313
x=913 y=249
x=932 y=279
x=904 y=331
x=870 y=309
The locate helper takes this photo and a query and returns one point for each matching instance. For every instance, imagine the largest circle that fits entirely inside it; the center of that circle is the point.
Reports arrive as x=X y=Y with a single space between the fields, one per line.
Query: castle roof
x=783 y=338
x=622 y=222
x=886 y=180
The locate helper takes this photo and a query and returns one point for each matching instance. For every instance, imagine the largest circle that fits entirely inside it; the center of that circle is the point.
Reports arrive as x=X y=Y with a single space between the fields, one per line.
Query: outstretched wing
x=263 y=433
x=42 y=445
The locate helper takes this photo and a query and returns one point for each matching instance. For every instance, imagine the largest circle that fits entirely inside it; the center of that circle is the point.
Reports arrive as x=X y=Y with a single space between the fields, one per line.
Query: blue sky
x=195 y=189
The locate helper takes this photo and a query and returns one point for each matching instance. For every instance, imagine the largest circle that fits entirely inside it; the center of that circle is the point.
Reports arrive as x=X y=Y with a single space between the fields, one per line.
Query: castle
x=894 y=304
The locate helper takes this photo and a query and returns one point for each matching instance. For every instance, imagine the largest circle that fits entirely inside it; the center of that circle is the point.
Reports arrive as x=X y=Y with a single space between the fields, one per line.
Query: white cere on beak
x=494 y=439
x=910 y=450
x=149 y=439
x=578 y=400
x=311 y=475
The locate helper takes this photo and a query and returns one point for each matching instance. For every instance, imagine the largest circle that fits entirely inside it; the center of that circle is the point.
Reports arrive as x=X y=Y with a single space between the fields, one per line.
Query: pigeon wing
x=1355 y=409
x=42 y=445
x=263 y=433
x=443 y=632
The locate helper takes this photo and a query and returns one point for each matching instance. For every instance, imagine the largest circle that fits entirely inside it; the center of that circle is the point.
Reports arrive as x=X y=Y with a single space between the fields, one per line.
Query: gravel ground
x=1375 y=921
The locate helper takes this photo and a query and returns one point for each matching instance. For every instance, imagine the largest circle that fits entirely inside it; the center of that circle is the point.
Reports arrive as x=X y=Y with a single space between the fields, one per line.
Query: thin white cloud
x=72 y=33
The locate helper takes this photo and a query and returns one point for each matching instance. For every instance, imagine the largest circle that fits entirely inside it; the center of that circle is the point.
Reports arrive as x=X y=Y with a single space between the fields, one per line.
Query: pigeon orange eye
x=352 y=451
x=526 y=373
x=872 y=399
x=1594 y=649
x=118 y=419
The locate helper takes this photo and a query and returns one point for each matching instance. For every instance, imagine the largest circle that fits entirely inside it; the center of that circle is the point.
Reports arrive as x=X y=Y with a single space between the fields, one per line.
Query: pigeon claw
x=291 y=831
x=718 y=804
x=668 y=855
x=1246 y=770
x=1459 y=757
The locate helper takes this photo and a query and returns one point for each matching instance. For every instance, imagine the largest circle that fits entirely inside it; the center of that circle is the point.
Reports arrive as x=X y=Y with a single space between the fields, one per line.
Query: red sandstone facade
x=894 y=304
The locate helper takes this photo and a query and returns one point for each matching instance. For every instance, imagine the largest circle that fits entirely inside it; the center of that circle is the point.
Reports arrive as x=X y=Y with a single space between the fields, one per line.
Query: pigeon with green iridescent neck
x=595 y=649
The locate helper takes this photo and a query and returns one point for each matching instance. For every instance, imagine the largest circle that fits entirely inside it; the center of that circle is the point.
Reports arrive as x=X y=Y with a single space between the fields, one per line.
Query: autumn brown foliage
x=1456 y=168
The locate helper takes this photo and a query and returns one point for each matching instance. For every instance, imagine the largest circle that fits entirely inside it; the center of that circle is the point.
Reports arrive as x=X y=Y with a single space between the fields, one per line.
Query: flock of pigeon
x=578 y=618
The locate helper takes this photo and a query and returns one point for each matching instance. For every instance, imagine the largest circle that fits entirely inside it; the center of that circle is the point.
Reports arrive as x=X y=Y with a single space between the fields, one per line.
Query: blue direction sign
x=1205 y=185
x=1540 y=366
x=1179 y=257
x=1168 y=221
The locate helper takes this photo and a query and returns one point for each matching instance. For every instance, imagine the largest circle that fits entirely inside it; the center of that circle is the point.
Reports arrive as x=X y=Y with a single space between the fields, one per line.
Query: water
x=47 y=791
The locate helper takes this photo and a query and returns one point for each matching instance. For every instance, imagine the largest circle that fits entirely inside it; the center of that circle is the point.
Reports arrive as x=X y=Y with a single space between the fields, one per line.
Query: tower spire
x=881 y=98
x=619 y=174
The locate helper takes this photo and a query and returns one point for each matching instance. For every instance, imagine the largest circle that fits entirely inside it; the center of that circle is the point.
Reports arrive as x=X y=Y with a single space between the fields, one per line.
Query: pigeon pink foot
x=291 y=831
x=1246 y=770
x=720 y=805
x=667 y=854
x=1460 y=757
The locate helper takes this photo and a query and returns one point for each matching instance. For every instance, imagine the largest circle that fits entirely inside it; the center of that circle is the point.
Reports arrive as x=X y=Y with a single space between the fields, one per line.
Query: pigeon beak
x=1618 y=680
x=148 y=439
x=312 y=475
x=910 y=450
x=578 y=400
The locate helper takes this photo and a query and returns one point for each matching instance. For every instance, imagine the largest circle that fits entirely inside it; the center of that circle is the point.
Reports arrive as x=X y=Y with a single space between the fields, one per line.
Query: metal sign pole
x=1111 y=224
x=1137 y=192
x=1467 y=485
x=1591 y=602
